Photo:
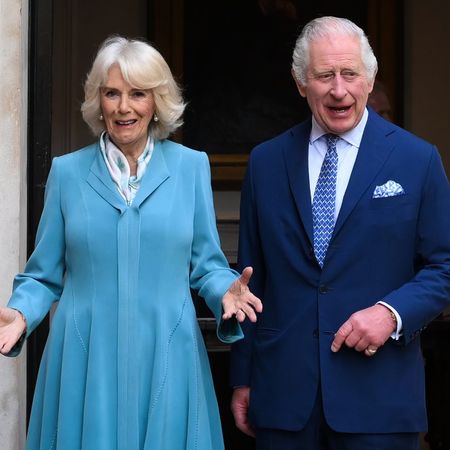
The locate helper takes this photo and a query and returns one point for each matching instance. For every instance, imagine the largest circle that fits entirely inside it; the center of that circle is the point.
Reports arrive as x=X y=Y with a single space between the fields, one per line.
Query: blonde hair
x=143 y=67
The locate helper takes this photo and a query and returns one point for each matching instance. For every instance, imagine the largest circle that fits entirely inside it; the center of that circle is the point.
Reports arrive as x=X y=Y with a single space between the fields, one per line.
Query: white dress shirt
x=347 y=148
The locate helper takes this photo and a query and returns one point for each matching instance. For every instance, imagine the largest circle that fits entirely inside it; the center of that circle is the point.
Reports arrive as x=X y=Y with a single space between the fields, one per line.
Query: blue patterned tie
x=324 y=200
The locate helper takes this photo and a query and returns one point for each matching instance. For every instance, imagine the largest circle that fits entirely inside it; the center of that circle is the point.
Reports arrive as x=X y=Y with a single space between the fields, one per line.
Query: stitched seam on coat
x=52 y=444
x=83 y=345
x=166 y=366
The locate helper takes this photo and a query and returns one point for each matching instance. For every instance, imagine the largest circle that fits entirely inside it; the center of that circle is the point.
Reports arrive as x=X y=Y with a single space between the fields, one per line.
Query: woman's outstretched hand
x=239 y=301
x=12 y=326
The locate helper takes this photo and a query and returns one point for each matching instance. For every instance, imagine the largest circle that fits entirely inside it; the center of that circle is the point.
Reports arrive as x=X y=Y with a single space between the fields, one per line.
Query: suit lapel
x=372 y=155
x=296 y=158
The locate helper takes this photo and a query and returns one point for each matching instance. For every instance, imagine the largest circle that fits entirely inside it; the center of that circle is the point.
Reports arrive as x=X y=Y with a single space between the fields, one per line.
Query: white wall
x=13 y=104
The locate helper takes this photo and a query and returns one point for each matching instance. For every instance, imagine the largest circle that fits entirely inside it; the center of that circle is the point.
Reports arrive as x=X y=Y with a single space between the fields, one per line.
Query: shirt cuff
x=397 y=334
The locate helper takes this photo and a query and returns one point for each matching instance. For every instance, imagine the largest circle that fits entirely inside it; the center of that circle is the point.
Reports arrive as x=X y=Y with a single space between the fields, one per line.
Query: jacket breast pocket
x=396 y=201
x=393 y=211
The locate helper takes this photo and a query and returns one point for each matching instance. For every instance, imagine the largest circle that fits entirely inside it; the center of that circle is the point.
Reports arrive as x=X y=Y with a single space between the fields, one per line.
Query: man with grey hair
x=345 y=221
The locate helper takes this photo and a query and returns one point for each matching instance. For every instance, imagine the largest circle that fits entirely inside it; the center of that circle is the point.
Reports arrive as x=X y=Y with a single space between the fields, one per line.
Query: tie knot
x=331 y=141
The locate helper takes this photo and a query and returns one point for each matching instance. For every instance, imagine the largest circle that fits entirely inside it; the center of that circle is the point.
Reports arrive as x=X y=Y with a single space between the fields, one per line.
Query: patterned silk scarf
x=119 y=168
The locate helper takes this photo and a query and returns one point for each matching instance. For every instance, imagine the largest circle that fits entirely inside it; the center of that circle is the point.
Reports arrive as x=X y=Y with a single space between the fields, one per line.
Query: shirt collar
x=353 y=136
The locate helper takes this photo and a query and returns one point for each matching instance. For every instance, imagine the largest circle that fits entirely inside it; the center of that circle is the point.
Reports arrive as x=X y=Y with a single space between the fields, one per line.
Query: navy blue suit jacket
x=395 y=249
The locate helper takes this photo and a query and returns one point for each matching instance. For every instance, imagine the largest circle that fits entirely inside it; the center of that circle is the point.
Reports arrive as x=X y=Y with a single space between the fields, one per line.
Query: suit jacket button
x=323 y=289
x=316 y=333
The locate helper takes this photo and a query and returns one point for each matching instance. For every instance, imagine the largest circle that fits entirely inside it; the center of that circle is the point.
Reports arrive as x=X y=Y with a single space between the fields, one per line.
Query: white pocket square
x=388 y=189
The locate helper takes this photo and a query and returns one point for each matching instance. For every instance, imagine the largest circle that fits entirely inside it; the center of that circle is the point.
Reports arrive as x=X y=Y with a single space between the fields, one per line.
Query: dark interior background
x=237 y=60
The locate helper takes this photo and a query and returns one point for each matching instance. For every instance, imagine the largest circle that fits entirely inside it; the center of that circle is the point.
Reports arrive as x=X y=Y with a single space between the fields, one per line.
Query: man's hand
x=239 y=301
x=365 y=330
x=239 y=407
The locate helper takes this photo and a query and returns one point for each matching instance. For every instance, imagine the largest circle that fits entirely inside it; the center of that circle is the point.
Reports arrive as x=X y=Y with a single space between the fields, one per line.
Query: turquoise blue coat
x=125 y=365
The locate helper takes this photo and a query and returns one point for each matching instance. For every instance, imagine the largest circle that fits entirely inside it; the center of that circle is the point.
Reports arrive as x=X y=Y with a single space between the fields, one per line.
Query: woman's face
x=127 y=112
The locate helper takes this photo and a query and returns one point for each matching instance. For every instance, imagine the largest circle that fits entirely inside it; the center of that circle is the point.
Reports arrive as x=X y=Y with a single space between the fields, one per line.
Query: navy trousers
x=317 y=435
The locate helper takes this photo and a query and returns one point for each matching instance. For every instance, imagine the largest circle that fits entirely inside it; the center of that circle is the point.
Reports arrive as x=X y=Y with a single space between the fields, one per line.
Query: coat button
x=323 y=289
x=316 y=333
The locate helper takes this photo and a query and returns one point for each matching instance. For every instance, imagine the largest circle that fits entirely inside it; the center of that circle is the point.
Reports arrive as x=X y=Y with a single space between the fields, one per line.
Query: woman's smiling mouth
x=125 y=122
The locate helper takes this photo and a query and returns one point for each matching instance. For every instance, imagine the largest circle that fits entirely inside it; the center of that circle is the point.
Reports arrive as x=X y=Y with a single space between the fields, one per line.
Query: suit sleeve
x=41 y=282
x=250 y=254
x=428 y=293
x=210 y=273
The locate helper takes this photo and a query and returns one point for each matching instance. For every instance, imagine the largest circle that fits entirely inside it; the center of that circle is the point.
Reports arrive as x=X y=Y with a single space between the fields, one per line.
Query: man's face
x=337 y=85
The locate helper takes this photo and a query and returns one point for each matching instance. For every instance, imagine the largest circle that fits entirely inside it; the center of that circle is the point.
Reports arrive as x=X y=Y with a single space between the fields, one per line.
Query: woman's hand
x=12 y=326
x=239 y=301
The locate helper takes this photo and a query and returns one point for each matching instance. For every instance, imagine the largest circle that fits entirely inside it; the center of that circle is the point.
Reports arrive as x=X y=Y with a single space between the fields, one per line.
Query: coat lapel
x=100 y=180
x=296 y=157
x=157 y=173
x=372 y=155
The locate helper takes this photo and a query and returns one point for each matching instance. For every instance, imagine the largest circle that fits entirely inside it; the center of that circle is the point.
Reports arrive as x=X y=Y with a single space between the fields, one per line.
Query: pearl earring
x=155 y=117
x=100 y=116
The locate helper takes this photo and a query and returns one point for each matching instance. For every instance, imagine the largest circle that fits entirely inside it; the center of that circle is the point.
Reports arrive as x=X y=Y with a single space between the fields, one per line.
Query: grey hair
x=143 y=67
x=324 y=27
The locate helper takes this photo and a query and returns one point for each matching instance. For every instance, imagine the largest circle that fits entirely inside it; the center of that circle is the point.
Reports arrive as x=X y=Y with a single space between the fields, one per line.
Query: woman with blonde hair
x=128 y=229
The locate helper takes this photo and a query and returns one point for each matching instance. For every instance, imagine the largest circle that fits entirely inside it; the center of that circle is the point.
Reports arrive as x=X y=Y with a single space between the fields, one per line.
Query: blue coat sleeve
x=41 y=282
x=210 y=273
